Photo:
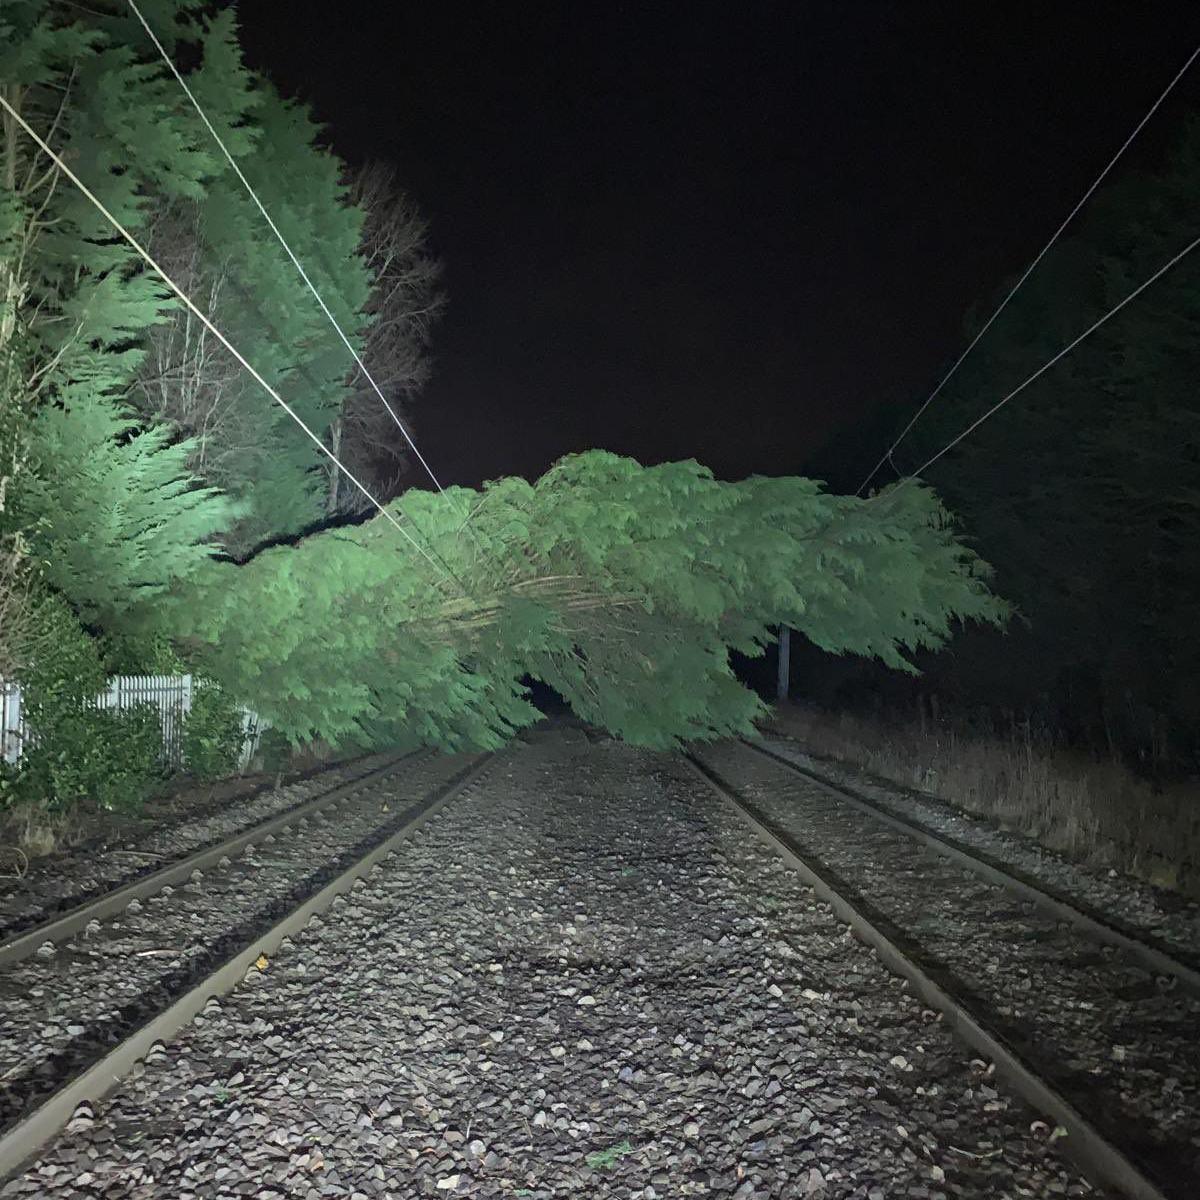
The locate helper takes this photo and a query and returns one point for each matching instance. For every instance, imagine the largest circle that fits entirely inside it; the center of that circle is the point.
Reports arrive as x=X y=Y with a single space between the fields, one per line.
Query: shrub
x=213 y=736
x=110 y=757
x=76 y=752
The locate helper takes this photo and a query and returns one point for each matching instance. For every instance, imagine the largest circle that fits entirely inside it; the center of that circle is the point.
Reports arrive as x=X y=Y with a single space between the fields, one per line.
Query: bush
x=141 y=653
x=76 y=752
x=110 y=757
x=213 y=736
x=274 y=750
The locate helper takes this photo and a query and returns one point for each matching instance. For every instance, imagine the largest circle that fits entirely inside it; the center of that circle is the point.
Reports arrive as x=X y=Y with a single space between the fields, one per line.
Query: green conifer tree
x=1083 y=491
x=625 y=587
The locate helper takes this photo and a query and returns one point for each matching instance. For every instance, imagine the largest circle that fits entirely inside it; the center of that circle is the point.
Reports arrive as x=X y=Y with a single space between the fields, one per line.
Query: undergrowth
x=75 y=753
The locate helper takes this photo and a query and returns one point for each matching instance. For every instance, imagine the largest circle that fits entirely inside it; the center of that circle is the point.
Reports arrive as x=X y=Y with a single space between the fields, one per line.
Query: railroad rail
x=81 y=1070
x=1101 y=926
x=1105 y=1142
x=102 y=903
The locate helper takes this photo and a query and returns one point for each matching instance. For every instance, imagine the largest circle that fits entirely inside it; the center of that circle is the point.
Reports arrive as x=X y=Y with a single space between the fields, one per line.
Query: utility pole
x=785 y=662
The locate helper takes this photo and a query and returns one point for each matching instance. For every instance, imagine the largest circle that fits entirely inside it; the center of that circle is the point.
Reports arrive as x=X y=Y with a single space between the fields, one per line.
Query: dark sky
x=742 y=232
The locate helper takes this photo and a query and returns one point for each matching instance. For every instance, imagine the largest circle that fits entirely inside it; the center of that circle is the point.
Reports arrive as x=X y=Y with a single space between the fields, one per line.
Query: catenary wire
x=283 y=242
x=200 y=316
x=1028 y=271
x=1112 y=312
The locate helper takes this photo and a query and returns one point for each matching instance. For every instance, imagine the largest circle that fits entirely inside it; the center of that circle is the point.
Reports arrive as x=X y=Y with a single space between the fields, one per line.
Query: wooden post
x=785 y=662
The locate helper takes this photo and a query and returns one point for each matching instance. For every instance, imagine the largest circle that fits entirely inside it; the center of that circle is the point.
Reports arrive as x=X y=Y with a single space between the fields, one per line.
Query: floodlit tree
x=624 y=587
x=145 y=452
x=77 y=303
x=119 y=516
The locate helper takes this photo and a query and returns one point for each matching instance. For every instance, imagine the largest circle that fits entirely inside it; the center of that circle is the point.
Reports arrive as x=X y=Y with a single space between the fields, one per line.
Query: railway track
x=1163 y=954
x=85 y=873
x=1095 y=1027
x=136 y=882
x=128 y=967
x=583 y=979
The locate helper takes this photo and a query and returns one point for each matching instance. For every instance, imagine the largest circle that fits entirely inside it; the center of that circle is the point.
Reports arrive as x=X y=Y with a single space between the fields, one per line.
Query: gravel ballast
x=73 y=877
x=62 y=1008
x=1162 y=918
x=1120 y=1043
x=580 y=978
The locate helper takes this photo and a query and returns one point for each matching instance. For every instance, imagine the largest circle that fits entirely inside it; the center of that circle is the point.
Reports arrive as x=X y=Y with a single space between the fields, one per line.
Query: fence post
x=185 y=707
x=784 y=665
x=12 y=731
x=250 y=735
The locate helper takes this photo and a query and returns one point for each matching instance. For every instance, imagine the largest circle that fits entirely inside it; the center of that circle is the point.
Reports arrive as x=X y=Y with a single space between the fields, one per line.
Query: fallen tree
x=623 y=587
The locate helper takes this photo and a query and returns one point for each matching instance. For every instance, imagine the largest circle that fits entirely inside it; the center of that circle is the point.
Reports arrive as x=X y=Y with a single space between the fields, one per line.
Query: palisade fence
x=170 y=694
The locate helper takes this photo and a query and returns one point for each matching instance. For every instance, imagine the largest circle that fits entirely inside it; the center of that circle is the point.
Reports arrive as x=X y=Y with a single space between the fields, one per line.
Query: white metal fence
x=170 y=694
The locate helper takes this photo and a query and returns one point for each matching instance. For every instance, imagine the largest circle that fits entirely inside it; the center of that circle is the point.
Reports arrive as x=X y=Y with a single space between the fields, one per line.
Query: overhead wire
x=400 y=425
x=283 y=242
x=1112 y=312
x=194 y=309
x=1028 y=271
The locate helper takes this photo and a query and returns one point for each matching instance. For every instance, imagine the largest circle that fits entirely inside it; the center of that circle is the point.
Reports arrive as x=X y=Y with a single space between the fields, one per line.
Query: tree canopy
x=1085 y=491
x=622 y=586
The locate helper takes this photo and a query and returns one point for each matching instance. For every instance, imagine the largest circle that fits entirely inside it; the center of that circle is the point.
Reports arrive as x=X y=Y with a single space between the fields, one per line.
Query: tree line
x=1083 y=493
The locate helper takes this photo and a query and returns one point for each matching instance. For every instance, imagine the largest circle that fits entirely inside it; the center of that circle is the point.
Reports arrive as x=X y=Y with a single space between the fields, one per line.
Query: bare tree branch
x=405 y=302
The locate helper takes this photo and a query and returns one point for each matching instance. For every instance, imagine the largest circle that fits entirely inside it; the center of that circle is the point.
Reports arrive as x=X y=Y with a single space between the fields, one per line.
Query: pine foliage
x=624 y=587
x=116 y=515
x=256 y=452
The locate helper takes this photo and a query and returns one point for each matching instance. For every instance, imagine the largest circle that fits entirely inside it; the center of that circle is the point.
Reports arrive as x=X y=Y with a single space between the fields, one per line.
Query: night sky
x=745 y=233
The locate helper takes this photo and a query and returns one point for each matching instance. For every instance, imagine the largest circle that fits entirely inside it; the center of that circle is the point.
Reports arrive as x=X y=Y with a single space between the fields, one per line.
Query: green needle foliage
x=255 y=451
x=117 y=512
x=104 y=337
x=624 y=587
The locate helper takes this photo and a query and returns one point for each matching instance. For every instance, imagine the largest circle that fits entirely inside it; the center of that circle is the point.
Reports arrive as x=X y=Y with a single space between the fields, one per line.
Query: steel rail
x=22 y=1142
x=1105 y=1163
x=1055 y=905
x=76 y=919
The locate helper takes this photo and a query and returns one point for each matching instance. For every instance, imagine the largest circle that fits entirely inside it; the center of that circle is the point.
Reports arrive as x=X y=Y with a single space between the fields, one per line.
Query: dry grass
x=33 y=831
x=1097 y=812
